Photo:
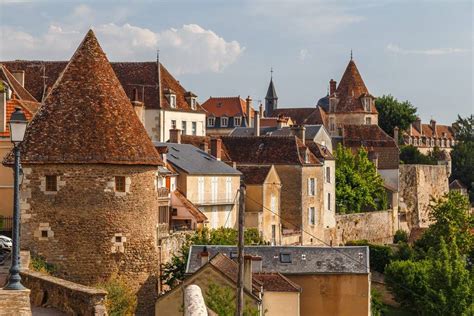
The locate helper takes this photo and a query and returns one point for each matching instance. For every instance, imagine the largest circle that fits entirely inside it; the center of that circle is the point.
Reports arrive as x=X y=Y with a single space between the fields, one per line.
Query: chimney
x=204 y=256
x=299 y=131
x=332 y=86
x=395 y=134
x=256 y=264
x=280 y=121
x=175 y=136
x=204 y=147
x=433 y=126
x=3 y=110
x=256 y=124
x=248 y=103
x=137 y=105
x=19 y=76
x=248 y=272
x=216 y=148
x=417 y=124
x=374 y=157
x=260 y=110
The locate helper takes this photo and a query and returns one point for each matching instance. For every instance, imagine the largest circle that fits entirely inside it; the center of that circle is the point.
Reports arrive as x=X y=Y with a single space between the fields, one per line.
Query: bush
x=400 y=236
x=120 y=300
x=39 y=264
x=380 y=256
x=377 y=307
x=404 y=252
x=221 y=299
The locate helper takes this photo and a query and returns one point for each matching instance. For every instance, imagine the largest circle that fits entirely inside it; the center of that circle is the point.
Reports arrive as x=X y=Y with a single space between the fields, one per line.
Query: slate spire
x=271 y=99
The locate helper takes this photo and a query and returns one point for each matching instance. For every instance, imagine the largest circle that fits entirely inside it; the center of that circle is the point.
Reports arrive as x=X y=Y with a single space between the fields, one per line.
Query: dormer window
x=368 y=120
x=237 y=121
x=366 y=102
x=333 y=104
x=224 y=121
x=172 y=100
x=191 y=99
x=193 y=103
x=211 y=121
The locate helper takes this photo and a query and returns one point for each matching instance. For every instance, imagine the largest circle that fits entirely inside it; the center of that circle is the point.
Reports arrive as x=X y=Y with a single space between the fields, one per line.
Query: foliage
x=380 y=255
x=2 y=87
x=38 y=263
x=404 y=252
x=376 y=305
x=464 y=129
x=173 y=271
x=120 y=298
x=400 y=236
x=221 y=299
x=411 y=155
x=453 y=222
x=393 y=113
x=438 y=285
x=358 y=185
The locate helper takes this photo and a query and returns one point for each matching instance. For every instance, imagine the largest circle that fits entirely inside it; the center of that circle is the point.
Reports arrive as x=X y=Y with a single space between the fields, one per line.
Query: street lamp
x=18 y=125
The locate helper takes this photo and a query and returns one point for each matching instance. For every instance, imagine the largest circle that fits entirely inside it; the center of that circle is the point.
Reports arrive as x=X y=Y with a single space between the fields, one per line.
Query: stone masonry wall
x=419 y=184
x=375 y=227
x=91 y=232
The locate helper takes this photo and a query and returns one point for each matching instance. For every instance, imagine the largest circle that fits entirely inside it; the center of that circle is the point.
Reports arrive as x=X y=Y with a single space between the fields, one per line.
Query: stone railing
x=66 y=296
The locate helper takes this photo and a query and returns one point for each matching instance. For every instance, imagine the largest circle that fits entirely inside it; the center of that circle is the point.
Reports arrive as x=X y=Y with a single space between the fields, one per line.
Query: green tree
x=358 y=185
x=464 y=128
x=393 y=113
x=221 y=299
x=411 y=155
x=174 y=270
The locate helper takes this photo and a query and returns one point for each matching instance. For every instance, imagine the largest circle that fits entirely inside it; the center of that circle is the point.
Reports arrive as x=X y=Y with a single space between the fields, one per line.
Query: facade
x=426 y=137
x=12 y=95
x=333 y=281
x=166 y=104
x=226 y=113
x=89 y=202
x=262 y=201
x=207 y=183
x=301 y=176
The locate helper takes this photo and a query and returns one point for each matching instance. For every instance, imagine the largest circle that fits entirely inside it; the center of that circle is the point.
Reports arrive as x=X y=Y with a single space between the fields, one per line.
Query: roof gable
x=226 y=106
x=15 y=86
x=87 y=117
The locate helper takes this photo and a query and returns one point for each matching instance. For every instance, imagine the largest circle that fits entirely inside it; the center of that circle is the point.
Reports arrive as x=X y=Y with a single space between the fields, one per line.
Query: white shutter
x=309 y=186
x=201 y=189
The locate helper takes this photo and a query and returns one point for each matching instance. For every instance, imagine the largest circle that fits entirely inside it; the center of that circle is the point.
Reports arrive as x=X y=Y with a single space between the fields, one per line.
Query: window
x=214 y=189
x=211 y=121
x=163 y=215
x=285 y=257
x=273 y=203
x=328 y=174
x=183 y=128
x=447 y=143
x=432 y=142
x=237 y=121
x=201 y=189
x=228 y=189
x=51 y=183
x=368 y=120
x=173 y=124
x=44 y=234
x=160 y=182
x=437 y=142
x=224 y=121
x=194 y=128
x=312 y=186
x=329 y=201
x=443 y=143
x=273 y=234
x=172 y=184
x=118 y=239
x=173 y=100
x=415 y=142
x=311 y=215
x=119 y=184
x=332 y=125
x=366 y=103
x=193 y=103
x=174 y=212
x=410 y=140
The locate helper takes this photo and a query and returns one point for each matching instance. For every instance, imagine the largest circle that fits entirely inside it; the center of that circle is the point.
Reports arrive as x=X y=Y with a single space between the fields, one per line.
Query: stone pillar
x=194 y=304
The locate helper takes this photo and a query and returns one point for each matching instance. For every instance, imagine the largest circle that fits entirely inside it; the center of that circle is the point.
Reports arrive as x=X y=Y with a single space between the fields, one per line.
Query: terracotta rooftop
x=300 y=116
x=254 y=174
x=267 y=150
x=20 y=92
x=142 y=76
x=350 y=90
x=198 y=215
x=275 y=282
x=87 y=117
x=441 y=131
x=10 y=108
x=320 y=151
x=226 y=106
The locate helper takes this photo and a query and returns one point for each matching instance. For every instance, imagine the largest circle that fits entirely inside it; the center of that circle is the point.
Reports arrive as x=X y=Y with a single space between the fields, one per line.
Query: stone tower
x=271 y=99
x=89 y=201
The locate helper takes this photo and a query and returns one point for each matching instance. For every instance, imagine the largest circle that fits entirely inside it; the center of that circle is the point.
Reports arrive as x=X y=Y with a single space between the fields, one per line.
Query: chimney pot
x=256 y=124
x=204 y=256
x=332 y=86
x=260 y=110
x=417 y=125
x=175 y=136
x=248 y=103
x=216 y=148
x=433 y=125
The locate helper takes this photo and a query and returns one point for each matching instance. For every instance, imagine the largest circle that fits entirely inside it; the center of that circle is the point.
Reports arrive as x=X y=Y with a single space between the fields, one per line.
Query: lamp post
x=18 y=125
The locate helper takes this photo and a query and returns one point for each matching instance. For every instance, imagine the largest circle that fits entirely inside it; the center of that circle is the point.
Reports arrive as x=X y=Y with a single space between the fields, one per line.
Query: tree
x=221 y=299
x=174 y=271
x=411 y=155
x=462 y=155
x=393 y=113
x=358 y=185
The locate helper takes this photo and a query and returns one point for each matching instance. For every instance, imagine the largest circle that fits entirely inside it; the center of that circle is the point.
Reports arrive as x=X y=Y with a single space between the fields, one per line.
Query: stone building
x=89 y=204
x=426 y=137
x=167 y=104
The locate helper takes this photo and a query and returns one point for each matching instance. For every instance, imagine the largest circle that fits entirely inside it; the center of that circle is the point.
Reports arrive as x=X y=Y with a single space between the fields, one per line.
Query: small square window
x=211 y=121
x=174 y=212
x=224 y=121
x=237 y=121
x=118 y=238
x=285 y=257
x=120 y=184
x=44 y=234
x=52 y=183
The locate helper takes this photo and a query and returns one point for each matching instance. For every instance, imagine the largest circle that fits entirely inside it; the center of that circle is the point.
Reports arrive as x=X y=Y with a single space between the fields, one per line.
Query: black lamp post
x=18 y=125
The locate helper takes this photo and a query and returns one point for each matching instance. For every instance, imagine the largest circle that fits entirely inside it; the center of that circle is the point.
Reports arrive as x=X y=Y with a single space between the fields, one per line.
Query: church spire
x=271 y=99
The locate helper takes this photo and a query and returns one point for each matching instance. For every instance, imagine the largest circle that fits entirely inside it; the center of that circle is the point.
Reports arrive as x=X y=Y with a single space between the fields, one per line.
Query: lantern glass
x=18 y=125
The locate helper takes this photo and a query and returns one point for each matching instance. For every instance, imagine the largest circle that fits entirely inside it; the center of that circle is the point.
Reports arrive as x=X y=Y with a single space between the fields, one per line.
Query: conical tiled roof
x=271 y=92
x=87 y=117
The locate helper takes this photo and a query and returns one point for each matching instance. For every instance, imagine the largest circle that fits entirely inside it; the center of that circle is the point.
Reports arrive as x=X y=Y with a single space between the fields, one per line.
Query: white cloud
x=188 y=49
x=303 y=54
x=395 y=49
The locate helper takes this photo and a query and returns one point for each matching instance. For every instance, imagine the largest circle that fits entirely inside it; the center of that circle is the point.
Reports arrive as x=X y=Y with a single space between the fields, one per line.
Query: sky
x=420 y=51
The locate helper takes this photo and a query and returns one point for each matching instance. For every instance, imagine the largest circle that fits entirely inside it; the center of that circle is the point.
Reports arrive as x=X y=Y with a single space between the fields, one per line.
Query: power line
x=233 y=206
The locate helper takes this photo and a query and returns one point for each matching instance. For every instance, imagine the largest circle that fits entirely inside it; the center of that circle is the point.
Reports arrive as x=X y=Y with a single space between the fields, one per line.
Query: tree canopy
x=411 y=155
x=393 y=113
x=358 y=185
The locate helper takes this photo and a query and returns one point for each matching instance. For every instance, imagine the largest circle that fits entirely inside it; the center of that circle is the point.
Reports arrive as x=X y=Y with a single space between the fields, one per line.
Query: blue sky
x=421 y=51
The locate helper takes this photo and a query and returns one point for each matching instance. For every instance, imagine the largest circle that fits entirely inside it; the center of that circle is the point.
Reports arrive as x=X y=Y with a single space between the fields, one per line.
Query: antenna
x=43 y=68
x=271 y=73
x=351 y=53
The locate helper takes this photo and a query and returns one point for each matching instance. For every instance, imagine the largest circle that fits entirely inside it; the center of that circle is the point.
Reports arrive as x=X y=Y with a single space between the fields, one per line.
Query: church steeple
x=271 y=99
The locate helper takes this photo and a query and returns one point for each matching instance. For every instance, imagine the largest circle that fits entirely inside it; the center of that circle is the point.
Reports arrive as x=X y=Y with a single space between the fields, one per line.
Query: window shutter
x=309 y=186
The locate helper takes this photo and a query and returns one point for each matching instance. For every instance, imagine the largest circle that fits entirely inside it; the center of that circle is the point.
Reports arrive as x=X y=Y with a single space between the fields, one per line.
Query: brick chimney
x=137 y=105
x=299 y=131
x=175 y=136
x=248 y=272
x=216 y=148
x=204 y=256
x=260 y=110
x=374 y=157
x=256 y=124
x=417 y=124
x=433 y=126
x=3 y=110
x=204 y=146
x=248 y=103
x=19 y=76
x=395 y=134
x=332 y=86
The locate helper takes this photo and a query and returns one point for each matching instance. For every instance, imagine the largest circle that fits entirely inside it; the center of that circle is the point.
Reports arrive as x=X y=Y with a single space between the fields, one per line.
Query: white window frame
x=193 y=128
x=410 y=141
x=415 y=142
x=193 y=103
x=173 y=124
x=311 y=186
x=432 y=142
x=311 y=215
x=173 y=100
x=211 y=119
x=214 y=183
x=237 y=121
x=228 y=189
x=200 y=189
x=368 y=120
x=184 y=126
x=226 y=120
x=172 y=184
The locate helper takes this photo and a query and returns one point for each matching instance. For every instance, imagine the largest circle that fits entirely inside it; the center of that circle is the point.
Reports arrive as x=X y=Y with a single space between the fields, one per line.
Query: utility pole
x=240 y=246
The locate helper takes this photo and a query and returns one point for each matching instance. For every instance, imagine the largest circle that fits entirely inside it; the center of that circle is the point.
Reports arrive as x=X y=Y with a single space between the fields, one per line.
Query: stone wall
x=69 y=297
x=375 y=227
x=171 y=245
x=419 y=184
x=15 y=303
x=89 y=232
